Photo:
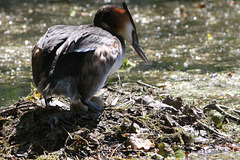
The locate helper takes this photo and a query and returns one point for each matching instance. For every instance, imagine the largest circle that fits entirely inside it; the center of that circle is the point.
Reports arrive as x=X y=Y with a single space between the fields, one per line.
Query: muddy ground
x=139 y=122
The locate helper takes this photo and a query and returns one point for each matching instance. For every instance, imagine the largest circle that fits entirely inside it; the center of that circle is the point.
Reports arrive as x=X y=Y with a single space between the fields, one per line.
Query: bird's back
x=74 y=55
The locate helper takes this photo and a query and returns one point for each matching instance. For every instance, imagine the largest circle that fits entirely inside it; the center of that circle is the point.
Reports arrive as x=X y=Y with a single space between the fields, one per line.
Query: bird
x=75 y=61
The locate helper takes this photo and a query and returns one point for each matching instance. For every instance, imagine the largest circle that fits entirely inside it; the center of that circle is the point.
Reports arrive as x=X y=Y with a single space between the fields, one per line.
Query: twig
x=114 y=150
x=69 y=134
x=114 y=90
x=210 y=129
x=17 y=106
x=145 y=84
x=219 y=109
x=227 y=115
x=119 y=79
x=228 y=108
x=120 y=158
x=118 y=106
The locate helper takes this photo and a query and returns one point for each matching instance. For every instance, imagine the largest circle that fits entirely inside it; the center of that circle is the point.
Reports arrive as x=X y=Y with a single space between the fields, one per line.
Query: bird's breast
x=119 y=61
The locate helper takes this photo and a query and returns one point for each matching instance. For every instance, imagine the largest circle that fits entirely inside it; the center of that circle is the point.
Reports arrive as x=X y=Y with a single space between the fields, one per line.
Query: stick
x=114 y=150
x=210 y=129
x=114 y=90
x=228 y=108
x=147 y=85
x=17 y=106
x=219 y=109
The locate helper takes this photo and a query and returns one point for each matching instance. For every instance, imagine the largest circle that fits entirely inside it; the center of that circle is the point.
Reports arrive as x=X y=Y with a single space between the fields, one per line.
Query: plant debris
x=135 y=124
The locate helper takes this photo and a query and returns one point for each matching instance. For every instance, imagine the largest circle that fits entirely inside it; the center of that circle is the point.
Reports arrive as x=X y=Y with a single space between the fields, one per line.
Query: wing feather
x=62 y=40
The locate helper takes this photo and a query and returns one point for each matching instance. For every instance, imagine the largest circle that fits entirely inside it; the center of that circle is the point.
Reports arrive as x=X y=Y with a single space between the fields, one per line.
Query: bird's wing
x=63 y=39
x=56 y=36
x=44 y=51
x=86 y=39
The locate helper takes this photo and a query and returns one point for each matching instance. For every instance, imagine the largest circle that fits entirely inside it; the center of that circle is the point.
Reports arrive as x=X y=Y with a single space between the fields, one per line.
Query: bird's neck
x=106 y=27
x=121 y=39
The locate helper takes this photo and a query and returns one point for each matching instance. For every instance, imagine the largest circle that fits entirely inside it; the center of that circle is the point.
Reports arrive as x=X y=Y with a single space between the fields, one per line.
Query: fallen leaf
x=141 y=143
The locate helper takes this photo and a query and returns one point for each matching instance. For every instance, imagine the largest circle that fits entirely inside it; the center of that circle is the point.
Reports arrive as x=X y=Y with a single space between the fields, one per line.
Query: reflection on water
x=191 y=50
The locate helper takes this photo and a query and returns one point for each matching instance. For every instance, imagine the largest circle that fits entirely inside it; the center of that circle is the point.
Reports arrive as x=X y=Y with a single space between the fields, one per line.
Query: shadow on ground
x=43 y=130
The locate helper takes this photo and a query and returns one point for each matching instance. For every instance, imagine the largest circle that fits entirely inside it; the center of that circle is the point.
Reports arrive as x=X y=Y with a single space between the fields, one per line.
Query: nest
x=138 y=122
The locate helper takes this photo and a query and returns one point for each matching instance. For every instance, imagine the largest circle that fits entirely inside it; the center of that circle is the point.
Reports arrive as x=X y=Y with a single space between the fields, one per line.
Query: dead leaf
x=114 y=102
x=141 y=143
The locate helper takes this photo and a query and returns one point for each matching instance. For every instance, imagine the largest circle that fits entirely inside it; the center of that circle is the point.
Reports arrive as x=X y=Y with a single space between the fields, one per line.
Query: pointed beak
x=137 y=47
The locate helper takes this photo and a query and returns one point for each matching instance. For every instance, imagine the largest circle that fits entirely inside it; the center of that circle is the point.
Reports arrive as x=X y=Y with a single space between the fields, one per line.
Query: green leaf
x=179 y=154
x=217 y=118
x=165 y=149
x=127 y=63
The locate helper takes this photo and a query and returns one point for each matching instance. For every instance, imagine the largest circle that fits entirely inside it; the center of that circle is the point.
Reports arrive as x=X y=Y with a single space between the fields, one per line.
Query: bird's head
x=119 y=22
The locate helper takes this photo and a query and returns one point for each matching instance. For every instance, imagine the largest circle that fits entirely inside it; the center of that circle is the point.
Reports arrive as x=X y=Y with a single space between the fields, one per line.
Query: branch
x=228 y=108
x=219 y=109
x=147 y=85
x=210 y=129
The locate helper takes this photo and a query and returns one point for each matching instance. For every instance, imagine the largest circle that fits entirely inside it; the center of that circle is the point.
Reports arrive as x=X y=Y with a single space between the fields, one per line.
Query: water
x=195 y=55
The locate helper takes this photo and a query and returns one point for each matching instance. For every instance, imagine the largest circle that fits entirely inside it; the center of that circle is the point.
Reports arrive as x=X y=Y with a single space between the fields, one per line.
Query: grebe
x=75 y=61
